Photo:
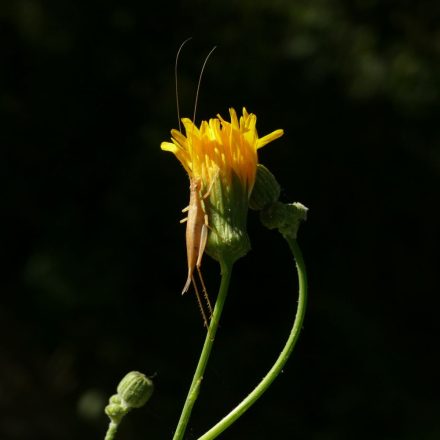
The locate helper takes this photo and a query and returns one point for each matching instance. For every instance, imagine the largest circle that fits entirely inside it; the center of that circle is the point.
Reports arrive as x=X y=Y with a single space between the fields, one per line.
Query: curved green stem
x=282 y=358
x=194 y=389
x=111 y=431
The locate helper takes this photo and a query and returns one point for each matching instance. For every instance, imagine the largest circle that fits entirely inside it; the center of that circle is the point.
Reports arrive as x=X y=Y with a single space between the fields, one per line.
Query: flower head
x=222 y=155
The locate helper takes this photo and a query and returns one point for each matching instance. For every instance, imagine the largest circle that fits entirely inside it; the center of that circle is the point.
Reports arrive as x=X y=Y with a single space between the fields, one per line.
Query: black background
x=94 y=256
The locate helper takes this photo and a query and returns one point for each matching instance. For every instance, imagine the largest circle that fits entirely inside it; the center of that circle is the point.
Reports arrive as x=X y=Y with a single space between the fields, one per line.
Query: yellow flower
x=222 y=155
x=220 y=147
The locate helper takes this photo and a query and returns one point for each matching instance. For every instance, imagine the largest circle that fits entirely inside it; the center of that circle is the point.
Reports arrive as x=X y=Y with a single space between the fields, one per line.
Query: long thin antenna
x=177 y=86
x=200 y=80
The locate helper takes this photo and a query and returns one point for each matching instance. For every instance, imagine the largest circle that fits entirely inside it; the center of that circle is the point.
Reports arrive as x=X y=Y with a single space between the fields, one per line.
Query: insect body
x=196 y=230
x=196 y=237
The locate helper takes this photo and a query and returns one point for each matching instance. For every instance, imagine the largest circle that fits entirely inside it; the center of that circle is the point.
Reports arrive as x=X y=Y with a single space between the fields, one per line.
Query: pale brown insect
x=197 y=219
x=196 y=237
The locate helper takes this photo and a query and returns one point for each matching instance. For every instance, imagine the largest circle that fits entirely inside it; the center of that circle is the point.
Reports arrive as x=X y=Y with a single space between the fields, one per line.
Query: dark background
x=94 y=255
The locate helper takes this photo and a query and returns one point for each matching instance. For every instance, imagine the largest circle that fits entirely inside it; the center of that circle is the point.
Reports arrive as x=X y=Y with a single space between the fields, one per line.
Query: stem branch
x=111 y=431
x=241 y=408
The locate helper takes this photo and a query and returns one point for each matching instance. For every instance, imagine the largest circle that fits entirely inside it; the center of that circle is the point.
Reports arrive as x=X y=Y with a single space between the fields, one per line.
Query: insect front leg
x=208 y=191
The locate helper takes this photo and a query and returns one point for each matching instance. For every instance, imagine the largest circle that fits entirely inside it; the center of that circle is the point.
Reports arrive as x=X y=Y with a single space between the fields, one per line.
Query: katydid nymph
x=197 y=218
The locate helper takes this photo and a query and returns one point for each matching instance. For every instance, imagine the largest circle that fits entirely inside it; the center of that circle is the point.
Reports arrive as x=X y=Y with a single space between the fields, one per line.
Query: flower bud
x=266 y=189
x=135 y=389
x=285 y=217
x=115 y=410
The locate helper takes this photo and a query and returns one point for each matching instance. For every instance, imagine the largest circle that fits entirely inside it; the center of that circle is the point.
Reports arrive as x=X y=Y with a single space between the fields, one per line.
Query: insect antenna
x=200 y=81
x=176 y=81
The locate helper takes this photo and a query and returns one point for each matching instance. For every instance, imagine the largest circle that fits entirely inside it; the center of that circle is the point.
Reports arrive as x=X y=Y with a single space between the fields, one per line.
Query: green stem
x=194 y=389
x=111 y=431
x=240 y=409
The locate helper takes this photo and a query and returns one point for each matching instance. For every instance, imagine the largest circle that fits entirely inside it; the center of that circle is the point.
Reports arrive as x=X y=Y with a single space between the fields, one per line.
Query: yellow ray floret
x=220 y=147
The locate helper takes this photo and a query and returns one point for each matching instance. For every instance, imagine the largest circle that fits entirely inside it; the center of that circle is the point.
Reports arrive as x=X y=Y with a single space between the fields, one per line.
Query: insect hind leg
x=205 y=292
x=199 y=301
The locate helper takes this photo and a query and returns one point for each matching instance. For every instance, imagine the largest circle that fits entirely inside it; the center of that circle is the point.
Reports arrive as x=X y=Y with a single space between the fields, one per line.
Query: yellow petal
x=269 y=138
x=168 y=146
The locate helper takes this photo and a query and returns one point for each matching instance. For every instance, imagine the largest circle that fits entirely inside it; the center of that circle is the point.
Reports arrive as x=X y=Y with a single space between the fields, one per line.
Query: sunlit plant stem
x=276 y=369
x=226 y=268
